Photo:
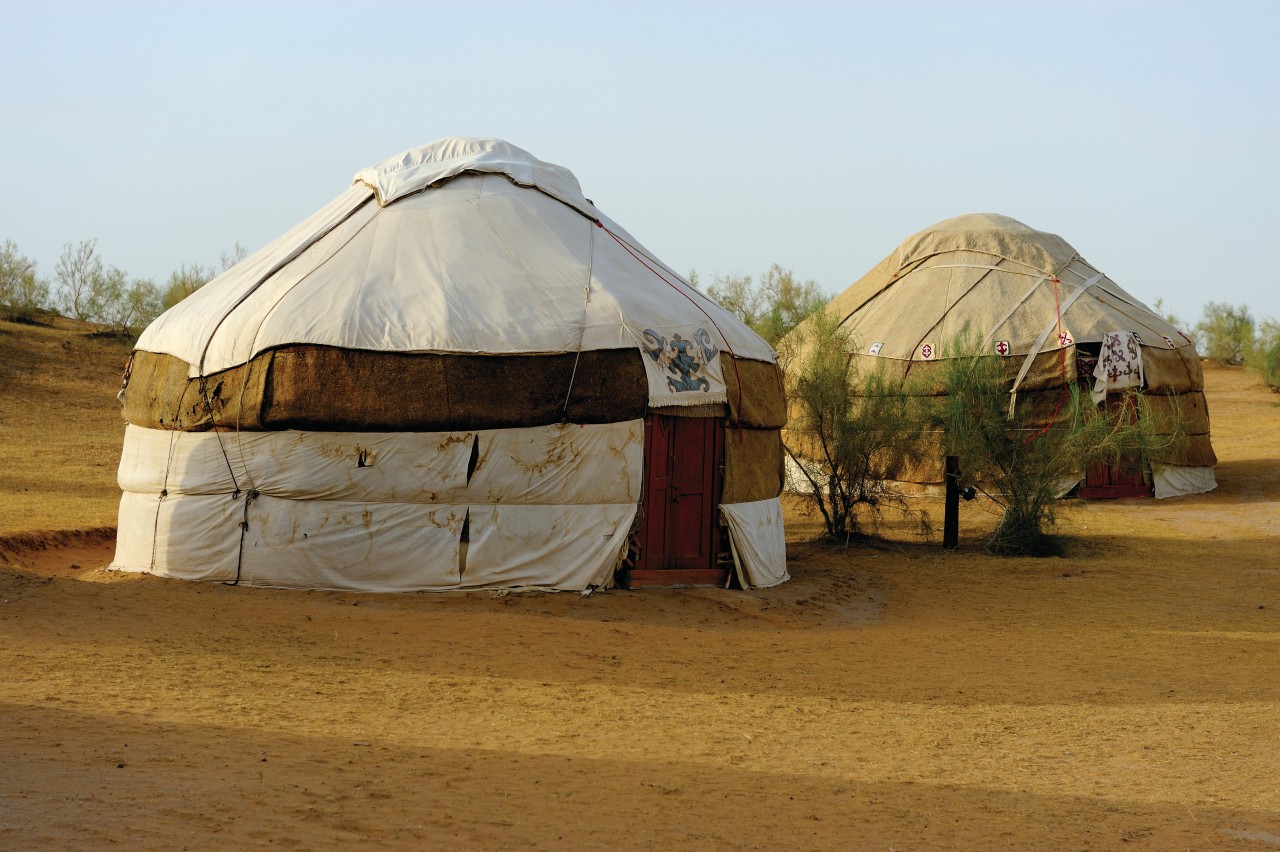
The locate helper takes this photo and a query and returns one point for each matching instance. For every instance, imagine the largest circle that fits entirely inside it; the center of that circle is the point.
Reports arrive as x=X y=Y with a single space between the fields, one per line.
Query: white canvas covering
x=546 y=506
x=1174 y=480
x=507 y=257
x=758 y=542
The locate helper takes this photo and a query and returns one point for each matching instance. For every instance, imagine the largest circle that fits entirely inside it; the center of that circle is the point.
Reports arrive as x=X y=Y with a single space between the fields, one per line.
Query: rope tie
x=249 y=497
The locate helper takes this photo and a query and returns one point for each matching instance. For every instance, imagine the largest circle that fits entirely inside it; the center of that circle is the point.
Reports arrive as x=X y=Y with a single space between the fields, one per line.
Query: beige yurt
x=459 y=374
x=1029 y=297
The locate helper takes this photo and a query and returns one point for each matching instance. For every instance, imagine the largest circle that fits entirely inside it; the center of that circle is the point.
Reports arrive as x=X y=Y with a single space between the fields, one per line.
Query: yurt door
x=1105 y=482
x=680 y=538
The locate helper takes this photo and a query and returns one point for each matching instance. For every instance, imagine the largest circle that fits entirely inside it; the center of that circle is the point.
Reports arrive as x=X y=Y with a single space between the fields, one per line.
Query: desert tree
x=183 y=282
x=1174 y=320
x=1264 y=355
x=735 y=294
x=121 y=304
x=127 y=305
x=848 y=429
x=1225 y=332
x=79 y=274
x=22 y=291
x=228 y=259
x=773 y=306
x=187 y=279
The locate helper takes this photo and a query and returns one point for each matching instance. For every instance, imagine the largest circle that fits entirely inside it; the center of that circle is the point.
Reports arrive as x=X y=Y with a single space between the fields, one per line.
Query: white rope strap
x=1027 y=295
x=1032 y=274
x=1044 y=335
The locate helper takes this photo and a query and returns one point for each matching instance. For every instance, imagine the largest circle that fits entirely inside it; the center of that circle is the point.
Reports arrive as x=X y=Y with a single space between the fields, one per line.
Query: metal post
x=951 y=509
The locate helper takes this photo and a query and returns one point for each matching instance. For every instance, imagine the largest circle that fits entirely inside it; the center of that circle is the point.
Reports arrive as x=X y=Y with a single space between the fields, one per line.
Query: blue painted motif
x=704 y=343
x=685 y=360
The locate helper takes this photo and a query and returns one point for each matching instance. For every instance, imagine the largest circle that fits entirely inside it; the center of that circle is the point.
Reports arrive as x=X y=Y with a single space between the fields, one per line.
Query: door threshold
x=641 y=577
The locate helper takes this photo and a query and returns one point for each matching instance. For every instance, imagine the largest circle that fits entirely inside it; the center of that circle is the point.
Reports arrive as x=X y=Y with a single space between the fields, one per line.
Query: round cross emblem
x=1002 y=347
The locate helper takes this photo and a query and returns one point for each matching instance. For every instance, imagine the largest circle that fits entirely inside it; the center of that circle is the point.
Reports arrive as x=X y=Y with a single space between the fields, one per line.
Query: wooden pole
x=951 y=509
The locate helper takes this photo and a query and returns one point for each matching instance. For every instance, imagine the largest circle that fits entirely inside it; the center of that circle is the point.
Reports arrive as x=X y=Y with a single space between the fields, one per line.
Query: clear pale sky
x=725 y=136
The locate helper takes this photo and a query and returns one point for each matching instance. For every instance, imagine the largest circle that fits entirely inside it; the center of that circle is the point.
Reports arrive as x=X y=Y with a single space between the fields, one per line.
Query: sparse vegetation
x=128 y=306
x=85 y=288
x=183 y=282
x=187 y=279
x=89 y=290
x=1023 y=469
x=846 y=428
x=23 y=293
x=772 y=307
x=1225 y=333
x=1264 y=355
x=1229 y=335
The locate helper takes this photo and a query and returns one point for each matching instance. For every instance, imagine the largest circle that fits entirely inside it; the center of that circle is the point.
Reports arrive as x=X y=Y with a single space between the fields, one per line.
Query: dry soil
x=891 y=696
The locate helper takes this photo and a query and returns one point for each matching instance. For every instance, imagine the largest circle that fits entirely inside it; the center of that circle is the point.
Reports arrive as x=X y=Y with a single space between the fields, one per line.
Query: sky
x=724 y=136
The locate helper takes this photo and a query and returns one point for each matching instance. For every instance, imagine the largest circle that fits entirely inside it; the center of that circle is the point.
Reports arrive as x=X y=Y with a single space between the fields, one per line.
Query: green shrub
x=847 y=429
x=1023 y=469
x=23 y=293
x=1264 y=355
x=772 y=308
x=1225 y=333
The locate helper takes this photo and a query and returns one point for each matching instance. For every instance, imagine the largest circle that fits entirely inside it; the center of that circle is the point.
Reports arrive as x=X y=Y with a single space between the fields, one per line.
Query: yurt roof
x=995 y=279
x=460 y=246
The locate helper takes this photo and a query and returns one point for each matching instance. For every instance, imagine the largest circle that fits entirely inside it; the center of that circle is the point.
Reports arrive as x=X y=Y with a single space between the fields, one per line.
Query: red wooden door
x=1104 y=482
x=680 y=537
x=658 y=439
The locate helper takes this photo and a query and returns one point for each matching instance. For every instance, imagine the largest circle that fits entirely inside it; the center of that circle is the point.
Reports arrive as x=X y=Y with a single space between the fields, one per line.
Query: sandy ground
x=891 y=696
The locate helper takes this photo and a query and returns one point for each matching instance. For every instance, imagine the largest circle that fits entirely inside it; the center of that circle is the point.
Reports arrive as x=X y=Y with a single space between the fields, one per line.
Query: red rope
x=727 y=345
x=1062 y=349
x=1062 y=352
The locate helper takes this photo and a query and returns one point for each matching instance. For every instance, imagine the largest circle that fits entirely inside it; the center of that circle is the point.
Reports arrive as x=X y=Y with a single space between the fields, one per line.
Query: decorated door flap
x=682 y=363
x=1119 y=364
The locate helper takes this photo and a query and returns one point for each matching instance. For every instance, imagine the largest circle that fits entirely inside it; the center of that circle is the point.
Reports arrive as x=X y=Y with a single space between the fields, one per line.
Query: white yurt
x=1030 y=298
x=459 y=374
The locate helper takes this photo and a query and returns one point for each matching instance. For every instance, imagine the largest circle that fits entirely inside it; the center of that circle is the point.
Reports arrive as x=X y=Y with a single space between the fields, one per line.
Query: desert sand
x=891 y=696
